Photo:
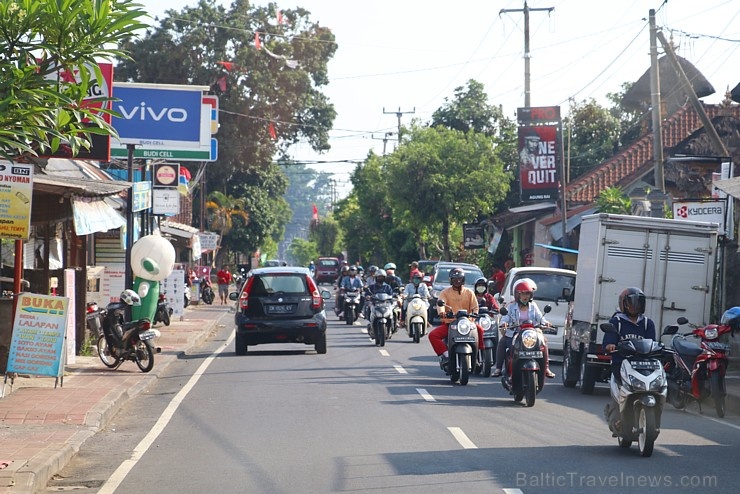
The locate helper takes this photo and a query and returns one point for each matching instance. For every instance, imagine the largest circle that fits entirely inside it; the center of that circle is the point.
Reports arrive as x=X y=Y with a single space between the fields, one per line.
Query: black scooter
x=163 y=312
x=126 y=340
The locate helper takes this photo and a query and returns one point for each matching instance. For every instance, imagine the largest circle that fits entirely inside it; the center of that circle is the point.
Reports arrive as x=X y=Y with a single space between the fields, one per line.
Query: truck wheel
x=570 y=368
x=588 y=376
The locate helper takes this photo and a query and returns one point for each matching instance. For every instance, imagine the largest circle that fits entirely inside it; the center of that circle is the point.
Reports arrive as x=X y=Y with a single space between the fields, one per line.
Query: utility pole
x=399 y=114
x=655 y=103
x=526 y=10
x=385 y=140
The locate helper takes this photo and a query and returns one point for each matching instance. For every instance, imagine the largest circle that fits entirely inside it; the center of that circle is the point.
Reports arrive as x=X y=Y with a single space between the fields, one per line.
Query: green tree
x=326 y=235
x=303 y=251
x=446 y=177
x=613 y=200
x=221 y=211
x=594 y=136
x=40 y=41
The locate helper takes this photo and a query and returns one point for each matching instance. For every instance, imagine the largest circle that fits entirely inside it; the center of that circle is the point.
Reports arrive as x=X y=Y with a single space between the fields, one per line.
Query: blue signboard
x=157 y=114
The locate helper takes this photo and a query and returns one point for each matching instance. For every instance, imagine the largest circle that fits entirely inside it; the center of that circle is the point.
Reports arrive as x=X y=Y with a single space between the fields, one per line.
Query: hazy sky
x=409 y=55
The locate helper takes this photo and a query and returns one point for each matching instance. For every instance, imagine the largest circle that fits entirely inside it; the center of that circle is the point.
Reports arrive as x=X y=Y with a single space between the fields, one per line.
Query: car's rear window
x=329 y=263
x=268 y=284
x=443 y=275
x=549 y=285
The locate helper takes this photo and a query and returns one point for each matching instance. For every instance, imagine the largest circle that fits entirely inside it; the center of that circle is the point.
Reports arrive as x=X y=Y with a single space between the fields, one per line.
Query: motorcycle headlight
x=416 y=304
x=637 y=384
x=529 y=338
x=711 y=334
x=657 y=384
x=485 y=323
x=464 y=326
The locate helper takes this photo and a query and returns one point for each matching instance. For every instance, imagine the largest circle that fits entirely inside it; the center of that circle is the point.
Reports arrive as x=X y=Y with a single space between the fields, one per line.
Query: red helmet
x=525 y=285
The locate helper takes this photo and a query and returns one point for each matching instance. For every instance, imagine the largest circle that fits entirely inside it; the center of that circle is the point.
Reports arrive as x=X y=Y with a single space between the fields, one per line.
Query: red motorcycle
x=699 y=362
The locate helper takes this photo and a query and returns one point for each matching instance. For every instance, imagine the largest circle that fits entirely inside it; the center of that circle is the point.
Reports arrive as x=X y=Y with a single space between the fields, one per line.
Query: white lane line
x=718 y=421
x=123 y=470
x=425 y=395
x=400 y=369
x=513 y=491
x=464 y=441
x=384 y=353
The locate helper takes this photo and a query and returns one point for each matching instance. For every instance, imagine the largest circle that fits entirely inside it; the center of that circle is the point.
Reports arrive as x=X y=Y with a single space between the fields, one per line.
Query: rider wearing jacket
x=630 y=323
x=522 y=309
x=416 y=286
x=457 y=297
x=380 y=286
x=391 y=278
x=352 y=282
x=485 y=299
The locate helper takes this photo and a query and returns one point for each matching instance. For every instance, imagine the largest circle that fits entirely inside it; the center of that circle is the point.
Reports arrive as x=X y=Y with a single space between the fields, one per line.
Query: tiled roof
x=637 y=159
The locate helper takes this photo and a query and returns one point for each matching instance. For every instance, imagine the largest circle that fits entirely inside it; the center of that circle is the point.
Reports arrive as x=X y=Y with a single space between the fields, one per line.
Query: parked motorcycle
x=640 y=393
x=523 y=373
x=462 y=345
x=696 y=369
x=126 y=340
x=93 y=319
x=206 y=291
x=380 y=327
x=417 y=310
x=188 y=296
x=487 y=350
x=163 y=312
x=351 y=305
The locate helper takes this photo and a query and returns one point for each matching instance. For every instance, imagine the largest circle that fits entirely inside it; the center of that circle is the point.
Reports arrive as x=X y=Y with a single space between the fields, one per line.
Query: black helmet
x=632 y=301
x=481 y=286
x=457 y=277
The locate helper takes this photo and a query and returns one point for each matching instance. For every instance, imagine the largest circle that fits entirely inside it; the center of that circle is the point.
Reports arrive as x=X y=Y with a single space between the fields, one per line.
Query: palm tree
x=613 y=200
x=221 y=210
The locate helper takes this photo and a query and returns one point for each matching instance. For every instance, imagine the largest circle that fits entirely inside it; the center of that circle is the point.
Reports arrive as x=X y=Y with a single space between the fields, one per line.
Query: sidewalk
x=42 y=428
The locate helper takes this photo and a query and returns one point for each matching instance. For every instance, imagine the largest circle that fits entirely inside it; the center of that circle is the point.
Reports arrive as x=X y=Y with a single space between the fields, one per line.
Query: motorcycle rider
x=370 y=276
x=484 y=298
x=416 y=286
x=457 y=297
x=353 y=282
x=631 y=323
x=312 y=268
x=339 y=300
x=523 y=308
x=391 y=278
x=380 y=286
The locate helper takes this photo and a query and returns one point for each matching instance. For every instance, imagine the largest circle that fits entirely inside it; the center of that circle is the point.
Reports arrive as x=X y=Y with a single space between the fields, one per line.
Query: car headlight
x=464 y=326
x=416 y=304
x=711 y=334
x=529 y=338
x=485 y=323
x=657 y=384
x=637 y=384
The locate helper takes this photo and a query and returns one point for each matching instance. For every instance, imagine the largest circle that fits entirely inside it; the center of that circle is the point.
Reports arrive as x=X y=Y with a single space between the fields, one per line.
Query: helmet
x=380 y=275
x=390 y=265
x=632 y=301
x=416 y=279
x=352 y=270
x=371 y=269
x=345 y=268
x=481 y=286
x=130 y=297
x=457 y=277
x=525 y=285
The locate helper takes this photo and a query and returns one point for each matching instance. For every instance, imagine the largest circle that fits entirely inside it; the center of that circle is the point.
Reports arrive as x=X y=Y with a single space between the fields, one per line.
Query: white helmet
x=130 y=297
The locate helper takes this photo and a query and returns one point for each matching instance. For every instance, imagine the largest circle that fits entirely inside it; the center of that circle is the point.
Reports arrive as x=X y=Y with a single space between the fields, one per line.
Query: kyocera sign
x=710 y=211
x=157 y=113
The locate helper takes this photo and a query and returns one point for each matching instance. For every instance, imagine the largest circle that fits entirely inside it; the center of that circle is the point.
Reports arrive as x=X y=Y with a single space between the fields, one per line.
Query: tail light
x=92 y=307
x=316 y=299
x=145 y=324
x=244 y=297
x=161 y=297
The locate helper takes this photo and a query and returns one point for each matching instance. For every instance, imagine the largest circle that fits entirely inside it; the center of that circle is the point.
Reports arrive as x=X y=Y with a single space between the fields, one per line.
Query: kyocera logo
x=144 y=112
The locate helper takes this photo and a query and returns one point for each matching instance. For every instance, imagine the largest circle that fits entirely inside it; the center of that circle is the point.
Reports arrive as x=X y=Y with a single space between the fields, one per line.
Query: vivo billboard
x=158 y=114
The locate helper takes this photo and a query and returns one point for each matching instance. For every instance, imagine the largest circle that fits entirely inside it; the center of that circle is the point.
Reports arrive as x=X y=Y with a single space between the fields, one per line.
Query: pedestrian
x=498 y=277
x=224 y=280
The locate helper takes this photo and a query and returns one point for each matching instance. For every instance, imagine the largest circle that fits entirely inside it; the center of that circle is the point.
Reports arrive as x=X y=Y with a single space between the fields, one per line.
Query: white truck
x=672 y=261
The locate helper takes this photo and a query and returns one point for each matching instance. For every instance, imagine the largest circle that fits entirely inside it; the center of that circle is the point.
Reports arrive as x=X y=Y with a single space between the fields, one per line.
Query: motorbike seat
x=685 y=347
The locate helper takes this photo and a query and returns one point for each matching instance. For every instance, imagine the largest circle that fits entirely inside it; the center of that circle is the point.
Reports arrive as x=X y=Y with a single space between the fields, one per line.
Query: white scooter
x=417 y=310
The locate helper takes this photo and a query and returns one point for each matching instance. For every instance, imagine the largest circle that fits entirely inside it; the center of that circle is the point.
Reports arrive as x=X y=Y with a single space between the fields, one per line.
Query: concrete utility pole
x=526 y=10
x=385 y=140
x=655 y=103
x=399 y=114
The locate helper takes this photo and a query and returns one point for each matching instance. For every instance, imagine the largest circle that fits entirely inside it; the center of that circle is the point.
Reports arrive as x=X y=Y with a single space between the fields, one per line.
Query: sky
x=406 y=56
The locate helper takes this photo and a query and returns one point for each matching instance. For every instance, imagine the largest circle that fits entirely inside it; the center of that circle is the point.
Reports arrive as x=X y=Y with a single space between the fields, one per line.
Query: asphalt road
x=283 y=419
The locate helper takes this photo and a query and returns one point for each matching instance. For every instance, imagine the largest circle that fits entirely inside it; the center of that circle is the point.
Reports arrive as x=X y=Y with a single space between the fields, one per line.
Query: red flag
x=273 y=133
x=257 y=42
x=222 y=83
x=315 y=212
x=279 y=15
x=226 y=65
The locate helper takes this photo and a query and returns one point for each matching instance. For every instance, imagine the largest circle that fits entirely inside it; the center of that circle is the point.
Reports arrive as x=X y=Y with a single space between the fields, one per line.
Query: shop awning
x=178 y=229
x=731 y=186
x=93 y=214
x=558 y=248
x=556 y=230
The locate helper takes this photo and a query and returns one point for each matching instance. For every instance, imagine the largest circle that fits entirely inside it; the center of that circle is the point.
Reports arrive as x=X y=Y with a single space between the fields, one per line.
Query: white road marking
x=513 y=491
x=718 y=421
x=464 y=441
x=425 y=395
x=123 y=470
x=400 y=369
x=384 y=353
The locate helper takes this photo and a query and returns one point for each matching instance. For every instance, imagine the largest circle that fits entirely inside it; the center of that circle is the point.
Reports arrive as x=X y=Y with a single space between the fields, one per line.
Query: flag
x=183 y=184
x=221 y=82
x=257 y=42
x=226 y=65
x=315 y=212
x=272 y=131
x=279 y=15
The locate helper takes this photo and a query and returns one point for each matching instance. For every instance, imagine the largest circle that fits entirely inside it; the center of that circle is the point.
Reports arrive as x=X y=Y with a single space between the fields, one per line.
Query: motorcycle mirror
x=503 y=311
x=440 y=303
x=608 y=327
x=670 y=329
x=547 y=308
x=682 y=320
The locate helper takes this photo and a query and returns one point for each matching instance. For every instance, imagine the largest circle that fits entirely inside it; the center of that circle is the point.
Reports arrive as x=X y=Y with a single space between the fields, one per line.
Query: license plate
x=716 y=345
x=464 y=339
x=489 y=334
x=147 y=335
x=531 y=354
x=645 y=364
x=280 y=309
